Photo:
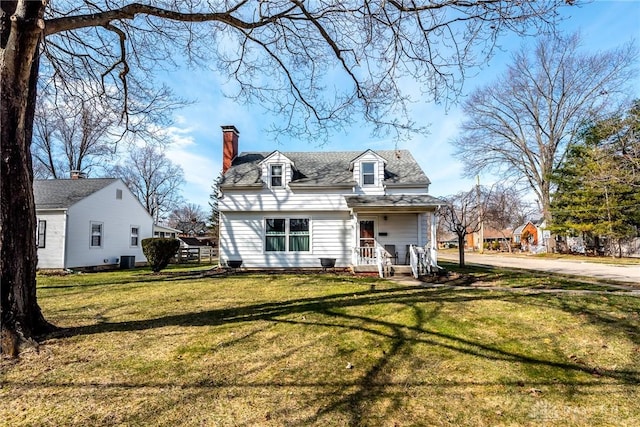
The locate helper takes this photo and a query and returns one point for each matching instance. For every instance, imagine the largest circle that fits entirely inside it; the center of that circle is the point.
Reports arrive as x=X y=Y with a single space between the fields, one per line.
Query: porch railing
x=366 y=255
x=371 y=255
x=423 y=260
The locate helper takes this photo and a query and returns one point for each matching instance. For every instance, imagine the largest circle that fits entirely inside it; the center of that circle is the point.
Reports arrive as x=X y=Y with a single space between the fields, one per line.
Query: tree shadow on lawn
x=353 y=398
x=331 y=305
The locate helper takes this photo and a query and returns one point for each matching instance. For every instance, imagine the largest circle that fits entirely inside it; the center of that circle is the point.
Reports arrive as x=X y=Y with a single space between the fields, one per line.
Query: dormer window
x=276 y=175
x=368 y=173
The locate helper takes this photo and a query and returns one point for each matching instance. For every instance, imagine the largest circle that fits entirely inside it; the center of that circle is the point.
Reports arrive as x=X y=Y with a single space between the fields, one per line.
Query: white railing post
x=379 y=260
x=413 y=261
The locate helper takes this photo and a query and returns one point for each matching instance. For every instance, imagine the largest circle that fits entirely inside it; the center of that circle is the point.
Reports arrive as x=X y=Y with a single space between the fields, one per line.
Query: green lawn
x=327 y=350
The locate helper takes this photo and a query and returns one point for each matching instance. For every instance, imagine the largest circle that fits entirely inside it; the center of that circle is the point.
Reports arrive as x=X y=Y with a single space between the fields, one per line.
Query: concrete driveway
x=619 y=273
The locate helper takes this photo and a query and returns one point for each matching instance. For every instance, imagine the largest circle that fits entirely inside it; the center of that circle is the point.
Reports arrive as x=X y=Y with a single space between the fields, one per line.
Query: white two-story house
x=289 y=209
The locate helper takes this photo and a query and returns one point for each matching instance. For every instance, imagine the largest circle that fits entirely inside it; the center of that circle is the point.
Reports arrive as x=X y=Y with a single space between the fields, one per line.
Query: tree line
x=562 y=125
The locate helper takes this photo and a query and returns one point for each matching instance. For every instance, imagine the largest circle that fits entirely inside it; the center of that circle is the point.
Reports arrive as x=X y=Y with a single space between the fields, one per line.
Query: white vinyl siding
x=368 y=172
x=52 y=255
x=276 y=171
x=242 y=237
x=117 y=217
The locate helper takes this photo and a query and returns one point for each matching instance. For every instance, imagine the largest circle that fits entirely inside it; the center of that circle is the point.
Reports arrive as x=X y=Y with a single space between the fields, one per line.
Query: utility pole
x=480 y=219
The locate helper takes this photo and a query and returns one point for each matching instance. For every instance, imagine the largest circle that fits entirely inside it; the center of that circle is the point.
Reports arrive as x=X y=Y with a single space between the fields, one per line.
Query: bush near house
x=159 y=251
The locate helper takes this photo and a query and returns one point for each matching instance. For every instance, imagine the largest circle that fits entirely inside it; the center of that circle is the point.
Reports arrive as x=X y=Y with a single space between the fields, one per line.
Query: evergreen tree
x=598 y=191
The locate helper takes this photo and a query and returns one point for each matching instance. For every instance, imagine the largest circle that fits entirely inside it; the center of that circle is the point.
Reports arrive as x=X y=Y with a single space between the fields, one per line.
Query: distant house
x=165 y=232
x=191 y=242
x=492 y=239
x=192 y=228
x=292 y=209
x=88 y=223
x=526 y=234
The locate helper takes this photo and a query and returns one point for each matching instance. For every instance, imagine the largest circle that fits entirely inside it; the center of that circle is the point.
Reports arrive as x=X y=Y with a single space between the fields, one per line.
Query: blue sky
x=197 y=137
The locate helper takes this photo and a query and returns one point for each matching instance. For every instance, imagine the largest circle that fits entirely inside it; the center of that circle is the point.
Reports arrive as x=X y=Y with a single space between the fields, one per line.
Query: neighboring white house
x=165 y=231
x=89 y=223
x=288 y=209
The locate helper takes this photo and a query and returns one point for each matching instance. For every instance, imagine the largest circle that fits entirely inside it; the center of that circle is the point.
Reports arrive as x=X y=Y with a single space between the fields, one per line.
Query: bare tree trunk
x=461 y=250
x=20 y=315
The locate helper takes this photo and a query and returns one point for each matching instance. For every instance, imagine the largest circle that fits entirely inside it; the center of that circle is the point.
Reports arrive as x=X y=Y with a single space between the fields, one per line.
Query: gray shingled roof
x=62 y=193
x=326 y=168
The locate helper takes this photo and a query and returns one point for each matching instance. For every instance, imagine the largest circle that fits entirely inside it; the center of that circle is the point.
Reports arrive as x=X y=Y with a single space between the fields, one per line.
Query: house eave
x=397 y=203
x=411 y=185
x=257 y=186
x=307 y=186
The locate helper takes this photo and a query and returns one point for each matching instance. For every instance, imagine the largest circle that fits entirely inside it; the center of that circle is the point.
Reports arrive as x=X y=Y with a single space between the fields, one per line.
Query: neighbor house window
x=96 y=234
x=287 y=235
x=41 y=233
x=276 y=175
x=134 y=236
x=118 y=194
x=368 y=173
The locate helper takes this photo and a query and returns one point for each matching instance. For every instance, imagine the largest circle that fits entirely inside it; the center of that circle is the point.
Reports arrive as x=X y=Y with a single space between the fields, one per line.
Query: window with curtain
x=299 y=235
x=287 y=235
x=276 y=234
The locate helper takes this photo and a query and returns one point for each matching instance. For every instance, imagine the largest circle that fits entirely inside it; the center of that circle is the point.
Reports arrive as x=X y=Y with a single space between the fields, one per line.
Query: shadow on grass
x=355 y=396
x=331 y=305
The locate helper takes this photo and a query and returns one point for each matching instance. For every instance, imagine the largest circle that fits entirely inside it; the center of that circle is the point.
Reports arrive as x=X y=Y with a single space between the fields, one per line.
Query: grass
x=326 y=350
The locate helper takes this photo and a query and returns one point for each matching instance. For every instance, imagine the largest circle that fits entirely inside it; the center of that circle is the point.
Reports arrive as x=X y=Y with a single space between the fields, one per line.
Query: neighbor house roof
x=328 y=168
x=63 y=193
x=192 y=241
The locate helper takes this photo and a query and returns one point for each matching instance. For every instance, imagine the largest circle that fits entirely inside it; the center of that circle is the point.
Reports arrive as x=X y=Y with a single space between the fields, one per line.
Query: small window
x=41 y=233
x=134 y=236
x=96 y=234
x=118 y=194
x=368 y=173
x=276 y=175
x=276 y=234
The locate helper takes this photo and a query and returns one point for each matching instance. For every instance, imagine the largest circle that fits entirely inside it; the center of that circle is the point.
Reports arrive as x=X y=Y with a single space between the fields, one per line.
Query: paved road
x=620 y=273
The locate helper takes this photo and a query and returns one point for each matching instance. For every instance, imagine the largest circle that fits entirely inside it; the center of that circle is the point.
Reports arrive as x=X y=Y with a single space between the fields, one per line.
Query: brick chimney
x=229 y=146
x=76 y=174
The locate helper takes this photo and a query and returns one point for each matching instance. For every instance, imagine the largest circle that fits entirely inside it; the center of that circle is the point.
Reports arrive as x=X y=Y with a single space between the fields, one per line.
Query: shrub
x=159 y=251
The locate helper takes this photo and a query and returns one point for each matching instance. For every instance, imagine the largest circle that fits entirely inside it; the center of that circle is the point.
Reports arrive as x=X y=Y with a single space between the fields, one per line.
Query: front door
x=367 y=241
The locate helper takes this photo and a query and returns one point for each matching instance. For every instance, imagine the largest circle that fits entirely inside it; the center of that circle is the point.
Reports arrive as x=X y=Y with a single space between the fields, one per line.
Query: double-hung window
x=287 y=235
x=368 y=173
x=276 y=175
x=96 y=234
x=276 y=235
x=134 y=236
x=299 y=235
x=42 y=233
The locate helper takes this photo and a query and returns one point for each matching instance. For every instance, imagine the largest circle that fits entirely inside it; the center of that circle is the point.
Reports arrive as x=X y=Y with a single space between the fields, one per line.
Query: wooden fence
x=201 y=254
